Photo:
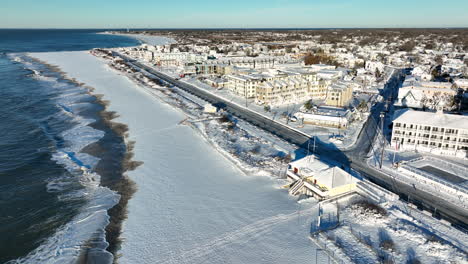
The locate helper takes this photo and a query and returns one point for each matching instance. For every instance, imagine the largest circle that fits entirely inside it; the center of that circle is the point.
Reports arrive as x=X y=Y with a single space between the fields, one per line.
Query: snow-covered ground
x=395 y=234
x=441 y=236
x=192 y=204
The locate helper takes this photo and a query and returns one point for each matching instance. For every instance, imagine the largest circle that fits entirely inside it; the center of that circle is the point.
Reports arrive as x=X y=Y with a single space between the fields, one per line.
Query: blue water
x=45 y=122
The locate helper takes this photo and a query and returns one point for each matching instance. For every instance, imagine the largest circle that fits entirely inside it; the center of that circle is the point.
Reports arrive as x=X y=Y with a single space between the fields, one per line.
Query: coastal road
x=354 y=157
x=285 y=132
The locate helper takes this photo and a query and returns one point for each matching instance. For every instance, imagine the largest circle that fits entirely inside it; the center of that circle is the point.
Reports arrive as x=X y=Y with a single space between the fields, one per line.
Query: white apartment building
x=176 y=58
x=437 y=133
x=255 y=63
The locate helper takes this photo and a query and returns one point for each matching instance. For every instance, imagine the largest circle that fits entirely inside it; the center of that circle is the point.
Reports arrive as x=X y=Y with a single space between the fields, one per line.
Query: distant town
x=329 y=80
x=382 y=113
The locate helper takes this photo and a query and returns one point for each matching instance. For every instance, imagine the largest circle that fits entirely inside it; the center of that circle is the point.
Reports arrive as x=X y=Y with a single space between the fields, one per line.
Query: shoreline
x=245 y=162
x=142 y=38
x=123 y=185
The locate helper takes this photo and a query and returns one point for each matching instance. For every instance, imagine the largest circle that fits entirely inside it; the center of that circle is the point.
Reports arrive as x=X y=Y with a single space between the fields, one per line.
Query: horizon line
x=226 y=28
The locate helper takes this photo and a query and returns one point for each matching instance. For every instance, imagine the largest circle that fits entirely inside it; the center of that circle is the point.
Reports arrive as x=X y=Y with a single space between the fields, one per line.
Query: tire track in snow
x=243 y=235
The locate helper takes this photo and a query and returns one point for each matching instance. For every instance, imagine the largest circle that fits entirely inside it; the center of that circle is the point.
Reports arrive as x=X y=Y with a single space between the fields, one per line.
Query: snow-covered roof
x=335 y=177
x=404 y=93
x=309 y=117
x=444 y=85
x=330 y=177
x=310 y=163
x=241 y=77
x=409 y=116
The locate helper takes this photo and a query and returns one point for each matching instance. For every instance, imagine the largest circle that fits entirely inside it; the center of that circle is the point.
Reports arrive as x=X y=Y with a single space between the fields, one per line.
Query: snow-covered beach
x=146 y=39
x=192 y=204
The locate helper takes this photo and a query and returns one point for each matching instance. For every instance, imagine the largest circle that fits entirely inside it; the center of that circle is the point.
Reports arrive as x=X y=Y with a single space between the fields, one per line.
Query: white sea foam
x=66 y=244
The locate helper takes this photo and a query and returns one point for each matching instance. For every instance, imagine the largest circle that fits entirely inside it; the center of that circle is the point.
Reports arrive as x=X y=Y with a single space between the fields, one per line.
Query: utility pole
x=382 y=118
x=245 y=94
x=314 y=144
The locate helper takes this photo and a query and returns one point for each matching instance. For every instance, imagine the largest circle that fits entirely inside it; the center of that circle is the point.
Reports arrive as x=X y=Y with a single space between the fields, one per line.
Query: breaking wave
x=86 y=231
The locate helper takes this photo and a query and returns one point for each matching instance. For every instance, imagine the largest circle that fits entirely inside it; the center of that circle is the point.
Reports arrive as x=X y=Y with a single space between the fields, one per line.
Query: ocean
x=57 y=152
x=62 y=166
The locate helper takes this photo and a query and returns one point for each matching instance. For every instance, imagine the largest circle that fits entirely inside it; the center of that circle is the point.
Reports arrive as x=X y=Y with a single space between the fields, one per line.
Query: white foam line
x=65 y=244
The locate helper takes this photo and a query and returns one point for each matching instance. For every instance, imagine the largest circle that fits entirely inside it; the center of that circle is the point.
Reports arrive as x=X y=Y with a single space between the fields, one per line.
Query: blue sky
x=230 y=13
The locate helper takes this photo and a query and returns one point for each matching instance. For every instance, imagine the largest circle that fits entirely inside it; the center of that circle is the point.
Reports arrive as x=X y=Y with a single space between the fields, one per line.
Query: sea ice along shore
x=192 y=204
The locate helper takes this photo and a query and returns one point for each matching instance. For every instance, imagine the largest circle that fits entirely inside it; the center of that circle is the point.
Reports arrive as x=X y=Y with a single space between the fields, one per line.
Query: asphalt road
x=354 y=157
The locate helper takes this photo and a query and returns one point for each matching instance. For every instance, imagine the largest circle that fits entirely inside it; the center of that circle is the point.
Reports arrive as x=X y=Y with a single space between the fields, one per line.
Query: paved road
x=354 y=157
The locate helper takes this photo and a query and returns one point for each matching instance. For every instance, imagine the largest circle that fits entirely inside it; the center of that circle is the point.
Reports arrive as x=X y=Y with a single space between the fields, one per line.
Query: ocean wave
x=66 y=244
x=87 y=229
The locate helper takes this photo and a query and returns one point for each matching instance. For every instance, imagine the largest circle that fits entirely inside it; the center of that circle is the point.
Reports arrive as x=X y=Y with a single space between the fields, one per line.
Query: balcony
x=437 y=133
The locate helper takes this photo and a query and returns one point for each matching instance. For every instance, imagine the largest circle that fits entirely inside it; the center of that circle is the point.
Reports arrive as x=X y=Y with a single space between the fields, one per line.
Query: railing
x=433 y=178
x=448 y=164
x=331 y=251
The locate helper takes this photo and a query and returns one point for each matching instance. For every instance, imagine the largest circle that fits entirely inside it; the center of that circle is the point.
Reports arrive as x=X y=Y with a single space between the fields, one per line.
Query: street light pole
x=314 y=145
x=382 y=119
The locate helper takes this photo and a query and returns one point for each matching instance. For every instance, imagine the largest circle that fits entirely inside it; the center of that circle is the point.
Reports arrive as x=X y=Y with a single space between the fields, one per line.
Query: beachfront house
x=314 y=178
